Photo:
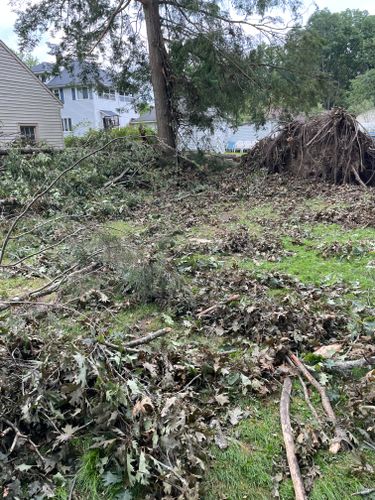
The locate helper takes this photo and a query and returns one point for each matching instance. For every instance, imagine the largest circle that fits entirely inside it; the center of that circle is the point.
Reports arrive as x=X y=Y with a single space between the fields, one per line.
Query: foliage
x=83 y=190
x=361 y=95
x=111 y=421
x=28 y=58
x=209 y=63
x=328 y=53
x=92 y=137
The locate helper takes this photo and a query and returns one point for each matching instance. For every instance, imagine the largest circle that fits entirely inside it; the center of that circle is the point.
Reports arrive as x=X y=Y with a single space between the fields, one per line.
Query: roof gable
x=75 y=75
x=28 y=70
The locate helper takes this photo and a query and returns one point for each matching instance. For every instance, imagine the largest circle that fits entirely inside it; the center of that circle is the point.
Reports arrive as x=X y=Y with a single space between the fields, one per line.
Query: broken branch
x=287 y=431
x=340 y=434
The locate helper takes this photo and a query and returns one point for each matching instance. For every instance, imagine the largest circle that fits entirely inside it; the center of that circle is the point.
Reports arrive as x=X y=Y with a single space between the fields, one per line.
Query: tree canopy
x=333 y=49
x=202 y=61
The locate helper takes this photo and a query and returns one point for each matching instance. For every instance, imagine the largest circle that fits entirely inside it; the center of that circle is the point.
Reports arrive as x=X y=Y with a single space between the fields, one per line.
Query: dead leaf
x=328 y=351
x=222 y=399
x=143 y=406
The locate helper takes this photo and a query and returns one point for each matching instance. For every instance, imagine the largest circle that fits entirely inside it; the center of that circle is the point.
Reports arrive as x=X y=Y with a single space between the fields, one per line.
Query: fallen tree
x=331 y=146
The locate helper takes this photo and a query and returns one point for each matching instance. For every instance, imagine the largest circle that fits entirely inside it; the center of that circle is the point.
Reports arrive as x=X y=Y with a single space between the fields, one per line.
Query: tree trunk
x=160 y=74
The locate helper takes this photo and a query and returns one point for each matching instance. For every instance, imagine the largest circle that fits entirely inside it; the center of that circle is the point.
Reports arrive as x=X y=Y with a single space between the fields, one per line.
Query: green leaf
x=111 y=478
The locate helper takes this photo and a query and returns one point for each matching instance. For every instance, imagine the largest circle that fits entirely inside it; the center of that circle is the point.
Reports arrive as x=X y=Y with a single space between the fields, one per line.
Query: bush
x=85 y=189
x=92 y=136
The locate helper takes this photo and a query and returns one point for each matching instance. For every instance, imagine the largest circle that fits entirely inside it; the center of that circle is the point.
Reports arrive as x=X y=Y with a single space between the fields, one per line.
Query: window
x=28 y=134
x=67 y=124
x=111 y=121
x=73 y=94
x=84 y=93
x=59 y=93
x=109 y=94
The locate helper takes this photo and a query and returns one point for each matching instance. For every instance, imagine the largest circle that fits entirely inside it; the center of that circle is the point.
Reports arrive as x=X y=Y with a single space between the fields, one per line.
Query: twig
x=342 y=366
x=340 y=434
x=45 y=289
x=364 y=493
x=147 y=338
x=205 y=312
x=72 y=488
x=38 y=252
x=286 y=427
x=140 y=341
x=19 y=434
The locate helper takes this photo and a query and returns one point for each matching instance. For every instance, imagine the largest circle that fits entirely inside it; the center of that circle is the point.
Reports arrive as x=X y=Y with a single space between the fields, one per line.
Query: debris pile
x=331 y=147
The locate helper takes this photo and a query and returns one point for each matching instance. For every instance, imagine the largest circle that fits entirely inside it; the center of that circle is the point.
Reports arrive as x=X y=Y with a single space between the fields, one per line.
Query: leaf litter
x=152 y=412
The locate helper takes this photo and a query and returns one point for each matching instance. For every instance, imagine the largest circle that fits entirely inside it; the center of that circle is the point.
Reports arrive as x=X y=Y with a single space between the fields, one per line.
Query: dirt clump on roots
x=331 y=146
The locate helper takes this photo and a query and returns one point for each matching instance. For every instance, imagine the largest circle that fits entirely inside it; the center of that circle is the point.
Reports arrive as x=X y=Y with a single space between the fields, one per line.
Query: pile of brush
x=331 y=146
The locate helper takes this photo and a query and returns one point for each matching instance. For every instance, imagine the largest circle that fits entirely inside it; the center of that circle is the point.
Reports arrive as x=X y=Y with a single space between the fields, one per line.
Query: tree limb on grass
x=339 y=434
x=45 y=289
x=343 y=366
x=287 y=431
x=148 y=338
x=136 y=342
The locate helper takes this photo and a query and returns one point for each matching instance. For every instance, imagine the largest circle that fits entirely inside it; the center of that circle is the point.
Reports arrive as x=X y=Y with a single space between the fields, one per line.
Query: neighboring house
x=191 y=138
x=28 y=109
x=84 y=107
x=223 y=138
x=367 y=120
x=147 y=120
x=246 y=136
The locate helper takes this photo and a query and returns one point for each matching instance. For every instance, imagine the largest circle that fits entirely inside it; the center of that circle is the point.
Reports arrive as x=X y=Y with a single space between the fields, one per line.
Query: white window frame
x=109 y=94
x=30 y=125
x=67 y=124
x=79 y=93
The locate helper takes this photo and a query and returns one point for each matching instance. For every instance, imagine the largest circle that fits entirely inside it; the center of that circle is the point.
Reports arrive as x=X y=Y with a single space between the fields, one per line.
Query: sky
x=8 y=18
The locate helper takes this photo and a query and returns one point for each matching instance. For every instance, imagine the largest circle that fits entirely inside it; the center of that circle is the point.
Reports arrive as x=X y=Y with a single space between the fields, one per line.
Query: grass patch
x=121 y=228
x=146 y=315
x=246 y=468
x=310 y=267
x=15 y=285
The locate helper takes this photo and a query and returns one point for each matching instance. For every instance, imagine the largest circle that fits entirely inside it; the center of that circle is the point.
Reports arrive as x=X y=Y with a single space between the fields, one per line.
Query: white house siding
x=367 y=120
x=247 y=135
x=80 y=111
x=24 y=100
x=193 y=138
x=85 y=114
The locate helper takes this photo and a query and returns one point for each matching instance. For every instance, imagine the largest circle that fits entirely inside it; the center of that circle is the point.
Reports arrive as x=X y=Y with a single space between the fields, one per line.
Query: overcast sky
x=7 y=18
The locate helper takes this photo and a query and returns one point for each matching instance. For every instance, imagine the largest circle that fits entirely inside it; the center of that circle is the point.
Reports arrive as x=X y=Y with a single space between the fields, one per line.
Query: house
x=367 y=120
x=245 y=137
x=147 y=120
x=84 y=106
x=191 y=138
x=29 y=111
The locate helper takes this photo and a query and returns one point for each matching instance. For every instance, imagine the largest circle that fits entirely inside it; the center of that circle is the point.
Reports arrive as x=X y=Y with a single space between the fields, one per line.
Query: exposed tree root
x=331 y=146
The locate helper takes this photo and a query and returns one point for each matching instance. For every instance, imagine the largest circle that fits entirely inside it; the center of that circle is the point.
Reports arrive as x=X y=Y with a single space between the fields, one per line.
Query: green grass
x=14 y=285
x=310 y=267
x=247 y=467
x=147 y=314
x=121 y=228
x=244 y=469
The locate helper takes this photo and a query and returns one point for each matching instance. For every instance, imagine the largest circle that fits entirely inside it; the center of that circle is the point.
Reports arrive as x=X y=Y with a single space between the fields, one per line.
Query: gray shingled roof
x=75 y=76
x=146 y=117
x=108 y=113
x=44 y=67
